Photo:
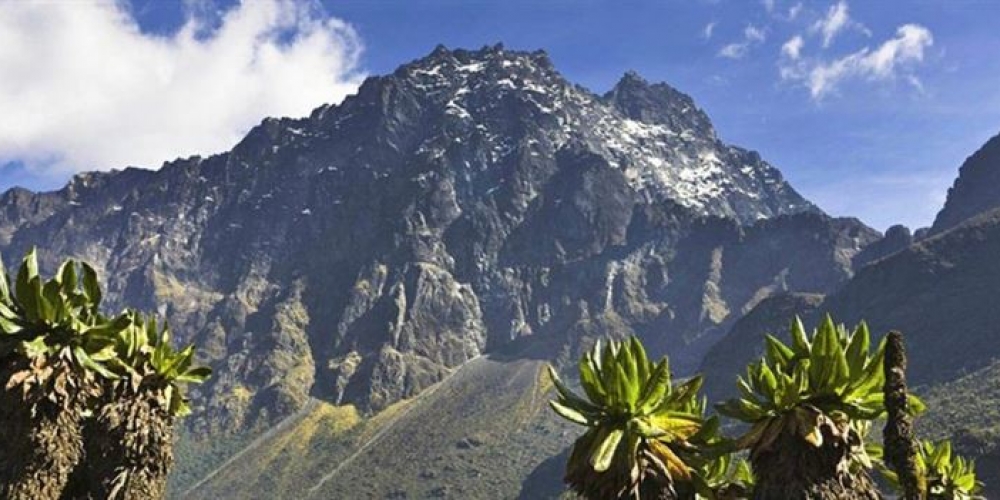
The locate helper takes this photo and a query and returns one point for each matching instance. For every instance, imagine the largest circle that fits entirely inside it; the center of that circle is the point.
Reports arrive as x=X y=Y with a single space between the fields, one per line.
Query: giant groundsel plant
x=645 y=437
x=809 y=405
x=87 y=401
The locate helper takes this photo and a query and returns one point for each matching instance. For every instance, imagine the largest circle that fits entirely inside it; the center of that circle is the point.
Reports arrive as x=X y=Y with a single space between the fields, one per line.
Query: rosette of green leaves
x=728 y=476
x=147 y=358
x=57 y=319
x=947 y=475
x=831 y=376
x=632 y=412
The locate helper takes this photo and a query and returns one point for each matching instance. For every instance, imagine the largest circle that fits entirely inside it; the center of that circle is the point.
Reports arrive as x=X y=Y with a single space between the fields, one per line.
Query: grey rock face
x=940 y=292
x=976 y=190
x=896 y=238
x=471 y=201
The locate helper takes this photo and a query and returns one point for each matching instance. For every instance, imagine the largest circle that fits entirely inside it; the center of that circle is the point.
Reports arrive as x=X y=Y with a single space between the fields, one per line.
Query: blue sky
x=867 y=107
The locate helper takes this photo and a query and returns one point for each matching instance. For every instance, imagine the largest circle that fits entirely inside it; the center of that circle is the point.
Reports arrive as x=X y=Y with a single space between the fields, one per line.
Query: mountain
x=975 y=190
x=895 y=239
x=470 y=203
x=939 y=291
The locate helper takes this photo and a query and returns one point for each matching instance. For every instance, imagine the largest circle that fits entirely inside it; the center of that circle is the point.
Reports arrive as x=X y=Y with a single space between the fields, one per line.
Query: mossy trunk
x=40 y=438
x=129 y=446
x=900 y=445
x=792 y=469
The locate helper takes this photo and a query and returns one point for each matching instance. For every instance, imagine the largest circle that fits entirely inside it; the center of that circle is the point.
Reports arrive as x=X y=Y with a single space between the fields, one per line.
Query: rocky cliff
x=469 y=202
x=976 y=190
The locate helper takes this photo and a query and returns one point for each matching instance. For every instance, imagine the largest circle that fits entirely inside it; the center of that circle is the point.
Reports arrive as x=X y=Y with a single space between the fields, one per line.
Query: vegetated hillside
x=941 y=293
x=476 y=434
x=967 y=411
x=466 y=201
x=975 y=190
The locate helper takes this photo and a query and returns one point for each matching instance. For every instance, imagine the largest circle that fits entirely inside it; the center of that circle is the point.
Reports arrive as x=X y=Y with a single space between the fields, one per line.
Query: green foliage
x=146 y=355
x=639 y=424
x=728 y=476
x=947 y=475
x=55 y=321
x=832 y=376
x=61 y=319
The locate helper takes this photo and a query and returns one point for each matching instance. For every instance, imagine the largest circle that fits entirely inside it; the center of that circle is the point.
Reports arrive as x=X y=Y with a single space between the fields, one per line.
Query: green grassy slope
x=967 y=411
x=478 y=434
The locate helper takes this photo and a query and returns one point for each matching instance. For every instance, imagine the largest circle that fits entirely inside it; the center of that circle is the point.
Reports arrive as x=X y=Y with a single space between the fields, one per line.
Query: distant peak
x=975 y=189
x=440 y=50
x=486 y=53
x=658 y=103
x=632 y=77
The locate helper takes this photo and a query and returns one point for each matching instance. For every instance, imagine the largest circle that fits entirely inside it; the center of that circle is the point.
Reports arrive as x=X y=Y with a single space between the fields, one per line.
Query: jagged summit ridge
x=467 y=200
x=480 y=110
x=666 y=146
x=659 y=103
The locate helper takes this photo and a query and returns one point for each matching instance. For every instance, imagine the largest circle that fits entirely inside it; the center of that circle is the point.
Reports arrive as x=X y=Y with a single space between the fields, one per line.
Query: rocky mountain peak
x=658 y=103
x=468 y=199
x=477 y=113
x=481 y=109
x=976 y=190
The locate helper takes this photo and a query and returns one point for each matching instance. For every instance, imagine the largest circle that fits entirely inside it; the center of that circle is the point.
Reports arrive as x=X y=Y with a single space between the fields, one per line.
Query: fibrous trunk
x=129 y=446
x=648 y=480
x=40 y=430
x=793 y=469
x=900 y=445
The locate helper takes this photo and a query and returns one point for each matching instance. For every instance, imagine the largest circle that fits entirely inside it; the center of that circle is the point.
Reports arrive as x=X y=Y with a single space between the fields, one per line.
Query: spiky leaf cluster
x=831 y=377
x=60 y=321
x=146 y=357
x=728 y=476
x=947 y=475
x=639 y=424
x=55 y=323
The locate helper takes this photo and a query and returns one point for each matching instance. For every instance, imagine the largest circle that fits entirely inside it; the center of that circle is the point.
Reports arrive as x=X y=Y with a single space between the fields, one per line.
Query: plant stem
x=900 y=446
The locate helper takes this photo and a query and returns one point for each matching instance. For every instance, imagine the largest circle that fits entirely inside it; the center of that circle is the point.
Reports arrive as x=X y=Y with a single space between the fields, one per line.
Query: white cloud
x=837 y=19
x=706 y=33
x=734 y=50
x=768 y=5
x=891 y=59
x=792 y=49
x=752 y=35
x=83 y=88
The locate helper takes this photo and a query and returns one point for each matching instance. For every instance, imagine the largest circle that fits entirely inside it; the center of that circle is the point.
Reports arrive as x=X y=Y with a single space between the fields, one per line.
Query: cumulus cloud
x=83 y=88
x=752 y=35
x=792 y=49
x=893 y=58
x=836 y=20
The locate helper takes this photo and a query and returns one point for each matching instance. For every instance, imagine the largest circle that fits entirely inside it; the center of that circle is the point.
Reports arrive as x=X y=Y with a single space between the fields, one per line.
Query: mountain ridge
x=467 y=202
x=974 y=190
